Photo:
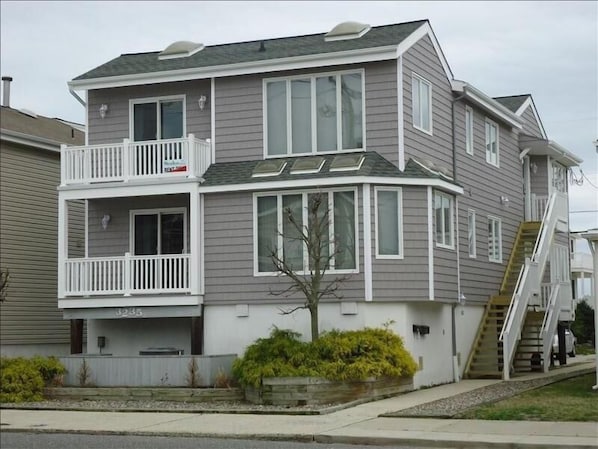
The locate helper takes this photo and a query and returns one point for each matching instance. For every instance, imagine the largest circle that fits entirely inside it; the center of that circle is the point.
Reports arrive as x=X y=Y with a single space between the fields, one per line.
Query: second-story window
x=422 y=103
x=491 y=142
x=155 y=119
x=469 y=130
x=494 y=240
x=443 y=219
x=314 y=114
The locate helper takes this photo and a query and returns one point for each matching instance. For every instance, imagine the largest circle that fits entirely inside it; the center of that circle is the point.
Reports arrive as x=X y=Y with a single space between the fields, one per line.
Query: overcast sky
x=548 y=49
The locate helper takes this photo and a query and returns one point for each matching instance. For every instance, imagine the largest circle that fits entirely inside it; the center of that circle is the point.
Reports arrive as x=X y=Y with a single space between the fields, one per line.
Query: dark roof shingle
x=513 y=102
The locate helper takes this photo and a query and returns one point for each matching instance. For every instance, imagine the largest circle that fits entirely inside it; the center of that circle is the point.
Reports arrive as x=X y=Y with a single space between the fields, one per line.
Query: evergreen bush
x=23 y=380
x=583 y=326
x=336 y=355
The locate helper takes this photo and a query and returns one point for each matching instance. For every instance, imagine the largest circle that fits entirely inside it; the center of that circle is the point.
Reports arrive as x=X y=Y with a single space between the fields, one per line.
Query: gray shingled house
x=448 y=208
x=30 y=321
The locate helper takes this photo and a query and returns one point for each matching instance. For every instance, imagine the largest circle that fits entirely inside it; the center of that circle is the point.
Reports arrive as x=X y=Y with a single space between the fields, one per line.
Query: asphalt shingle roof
x=513 y=102
x=218 y=55
x=231 y=173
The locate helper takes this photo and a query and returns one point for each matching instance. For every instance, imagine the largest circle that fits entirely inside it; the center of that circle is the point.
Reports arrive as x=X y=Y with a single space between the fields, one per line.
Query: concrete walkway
x=357 y=425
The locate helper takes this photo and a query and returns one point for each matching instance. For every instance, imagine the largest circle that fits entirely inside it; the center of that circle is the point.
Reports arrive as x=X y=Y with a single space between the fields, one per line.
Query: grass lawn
x=569 y=400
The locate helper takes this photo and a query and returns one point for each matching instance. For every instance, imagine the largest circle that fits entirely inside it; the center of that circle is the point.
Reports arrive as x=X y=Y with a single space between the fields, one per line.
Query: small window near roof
x=346 y=31
x=347 y=162
x=307 y=165
x=180 y=49
x=268 y=168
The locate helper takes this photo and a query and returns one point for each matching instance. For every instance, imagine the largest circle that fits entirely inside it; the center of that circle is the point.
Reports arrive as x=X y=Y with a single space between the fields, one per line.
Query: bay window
x=277 y=233
x=389 y=230
x=312 y=114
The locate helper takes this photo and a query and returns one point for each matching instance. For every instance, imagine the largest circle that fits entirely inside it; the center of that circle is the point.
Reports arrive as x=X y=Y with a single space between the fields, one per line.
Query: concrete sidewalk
x=357 y=425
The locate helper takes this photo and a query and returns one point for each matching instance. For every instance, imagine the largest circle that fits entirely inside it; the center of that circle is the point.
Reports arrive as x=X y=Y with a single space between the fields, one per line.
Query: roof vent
x=347 y=30
x=180 y=49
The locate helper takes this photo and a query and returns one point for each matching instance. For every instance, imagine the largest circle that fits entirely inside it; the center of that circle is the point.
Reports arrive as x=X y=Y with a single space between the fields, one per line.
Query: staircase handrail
x=529 y=280
x=549 y=323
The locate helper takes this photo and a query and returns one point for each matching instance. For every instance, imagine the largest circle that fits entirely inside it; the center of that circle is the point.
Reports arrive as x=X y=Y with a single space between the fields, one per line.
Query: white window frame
x=421 y=81
x=495 y=258
x=304 y=193
x=339 y=130
x=159 y=211
x=451 y=244
x=469 y=130
x=471 y=234
x=157 y=100
x=489 y=156
x=399 y=192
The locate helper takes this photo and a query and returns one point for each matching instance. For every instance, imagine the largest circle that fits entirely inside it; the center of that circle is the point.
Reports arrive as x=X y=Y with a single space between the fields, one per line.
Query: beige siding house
x=30 y=322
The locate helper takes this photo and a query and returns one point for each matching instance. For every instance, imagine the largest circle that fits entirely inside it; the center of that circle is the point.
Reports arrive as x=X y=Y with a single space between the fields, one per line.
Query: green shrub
x=23 y=380
x=20 y=381
x=336 y=355
x=583 y=326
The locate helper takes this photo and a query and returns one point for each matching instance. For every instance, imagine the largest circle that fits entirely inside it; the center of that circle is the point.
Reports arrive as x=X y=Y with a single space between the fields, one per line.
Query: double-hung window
x=314 y=114
x=471 y=233
x=157 y=118
x=494 y=240
x=422 y=103
x=443 y=216
x=389 y=226
x=491 y=142
x=281 y=218
x=469 y=130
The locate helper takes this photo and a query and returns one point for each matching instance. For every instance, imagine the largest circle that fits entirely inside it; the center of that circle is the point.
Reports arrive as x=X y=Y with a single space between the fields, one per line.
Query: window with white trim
x=275 y=232
x=314 y=114
x=443 y=218
x=469 y=130
x=494 y=239
x=157 y=118
x=158 y=231
x=422 y=103
x=389 y=223
x=471 y=234
x=492 y=151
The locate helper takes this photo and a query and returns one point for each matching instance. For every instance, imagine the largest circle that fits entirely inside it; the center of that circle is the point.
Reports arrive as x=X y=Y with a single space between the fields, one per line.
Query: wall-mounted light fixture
x=103 y=110
x=462 y=298
x=534 y=167
x=105 y=220
x=504 y=200
x=202 y=102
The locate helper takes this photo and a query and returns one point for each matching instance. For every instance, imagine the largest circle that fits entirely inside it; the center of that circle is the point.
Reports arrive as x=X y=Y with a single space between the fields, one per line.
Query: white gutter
x=490 y=104
x=77 y=97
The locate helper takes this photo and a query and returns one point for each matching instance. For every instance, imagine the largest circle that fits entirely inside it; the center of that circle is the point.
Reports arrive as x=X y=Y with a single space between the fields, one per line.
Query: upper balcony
x=129 y=161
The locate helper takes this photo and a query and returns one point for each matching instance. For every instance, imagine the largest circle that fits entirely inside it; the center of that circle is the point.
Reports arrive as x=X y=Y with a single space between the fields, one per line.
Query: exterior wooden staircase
x=486 y=356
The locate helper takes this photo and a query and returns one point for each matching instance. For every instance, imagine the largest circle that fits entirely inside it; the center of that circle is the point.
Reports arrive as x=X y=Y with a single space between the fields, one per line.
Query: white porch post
x=62 y=244
x=191 y=157
x=126 y=160
x=194 y=241
x=528 y=188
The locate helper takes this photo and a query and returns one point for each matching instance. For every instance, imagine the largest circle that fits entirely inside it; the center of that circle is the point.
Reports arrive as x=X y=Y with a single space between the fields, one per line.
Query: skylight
x=268 y=168
x=347 y=162
x=347 y=30
x=180 y=49
x=307 y=165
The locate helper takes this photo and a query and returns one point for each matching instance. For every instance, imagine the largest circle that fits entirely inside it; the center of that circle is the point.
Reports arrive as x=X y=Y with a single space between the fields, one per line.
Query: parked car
x=570 y=341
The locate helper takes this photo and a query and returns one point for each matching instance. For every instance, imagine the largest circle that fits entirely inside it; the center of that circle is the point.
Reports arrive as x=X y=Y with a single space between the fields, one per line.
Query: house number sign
x=129 y=312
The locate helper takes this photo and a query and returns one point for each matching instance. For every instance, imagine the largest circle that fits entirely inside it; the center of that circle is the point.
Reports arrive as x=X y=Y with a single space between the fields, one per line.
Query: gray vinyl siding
x=483 y=185
x=404 y=279
x=422 y=60
x=539 y=179
x=240 y=115
x=228 y=253
x=115 y=126
x=115 y=240
x=530 y=124
x=28 y=245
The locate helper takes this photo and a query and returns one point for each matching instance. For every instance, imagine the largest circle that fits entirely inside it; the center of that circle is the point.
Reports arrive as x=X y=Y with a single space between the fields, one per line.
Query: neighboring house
x=30 y=322
x=582 y=269
x=436 y=195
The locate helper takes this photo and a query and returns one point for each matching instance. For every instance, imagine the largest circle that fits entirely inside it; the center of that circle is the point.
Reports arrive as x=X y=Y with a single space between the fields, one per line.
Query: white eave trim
x=244 y=68
x=325 y=182
x=489 y=104
x=542 y=147
x=529 y=102
x=30 y=140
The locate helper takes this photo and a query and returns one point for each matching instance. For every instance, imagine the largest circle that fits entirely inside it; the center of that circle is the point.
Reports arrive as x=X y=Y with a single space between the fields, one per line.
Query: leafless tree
x=313 y=238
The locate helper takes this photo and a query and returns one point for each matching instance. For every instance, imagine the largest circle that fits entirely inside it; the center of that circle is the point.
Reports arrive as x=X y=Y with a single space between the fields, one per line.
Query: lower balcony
x=128 y=275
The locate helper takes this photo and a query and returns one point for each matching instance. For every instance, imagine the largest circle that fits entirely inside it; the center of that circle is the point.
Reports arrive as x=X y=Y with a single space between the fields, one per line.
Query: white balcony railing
x=127 y=275
x=184 y=157
x=581 y=262
x=539 y=205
